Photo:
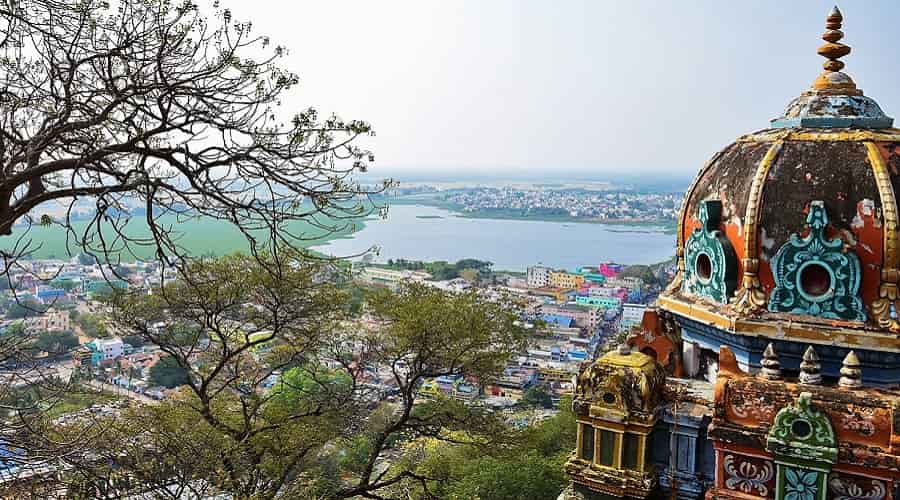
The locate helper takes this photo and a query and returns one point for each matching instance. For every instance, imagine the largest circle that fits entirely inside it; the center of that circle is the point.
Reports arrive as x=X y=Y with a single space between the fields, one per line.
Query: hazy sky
x=598 y=87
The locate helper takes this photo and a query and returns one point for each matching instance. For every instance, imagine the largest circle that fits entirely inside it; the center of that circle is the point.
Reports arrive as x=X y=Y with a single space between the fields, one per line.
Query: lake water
x=415 y=232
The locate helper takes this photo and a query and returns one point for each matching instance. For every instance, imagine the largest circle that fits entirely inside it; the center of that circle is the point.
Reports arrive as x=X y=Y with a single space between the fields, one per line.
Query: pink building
x=609 y=269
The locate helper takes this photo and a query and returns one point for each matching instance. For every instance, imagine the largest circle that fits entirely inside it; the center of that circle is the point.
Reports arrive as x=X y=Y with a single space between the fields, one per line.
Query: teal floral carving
x=710 y=261
x=800 y=484
x=838 y=273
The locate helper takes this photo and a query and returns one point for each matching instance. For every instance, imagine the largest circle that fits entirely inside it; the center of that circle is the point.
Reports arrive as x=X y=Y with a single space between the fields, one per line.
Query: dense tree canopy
x=318 y=430
x=168 y=373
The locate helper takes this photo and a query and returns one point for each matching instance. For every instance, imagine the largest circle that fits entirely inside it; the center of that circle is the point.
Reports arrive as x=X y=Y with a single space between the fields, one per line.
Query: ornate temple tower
x=789 y=236
x=780 y=335
x=616 y=406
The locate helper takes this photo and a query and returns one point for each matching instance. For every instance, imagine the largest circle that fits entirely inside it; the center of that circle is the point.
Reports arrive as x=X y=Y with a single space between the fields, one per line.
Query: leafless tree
x=155 y=111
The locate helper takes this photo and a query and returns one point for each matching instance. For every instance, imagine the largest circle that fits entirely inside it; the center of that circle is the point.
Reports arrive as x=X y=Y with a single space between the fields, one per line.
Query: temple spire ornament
x=833 y=50
x=771 y=367
x=851 y=374
x=834 y=101
x=810 y=368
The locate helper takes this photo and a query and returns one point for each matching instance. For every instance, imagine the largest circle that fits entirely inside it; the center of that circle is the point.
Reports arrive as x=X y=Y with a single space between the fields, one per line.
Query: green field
x=198 y=236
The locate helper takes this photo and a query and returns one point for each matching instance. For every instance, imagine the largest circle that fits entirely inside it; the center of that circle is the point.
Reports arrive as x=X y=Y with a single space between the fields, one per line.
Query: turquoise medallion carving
x=814 y=275
x=801 y=484
x=804 y=446
x=710 y=263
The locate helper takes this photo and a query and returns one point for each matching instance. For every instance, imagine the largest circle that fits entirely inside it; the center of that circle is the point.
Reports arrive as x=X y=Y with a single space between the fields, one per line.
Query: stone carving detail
x=814 y=274
x=851 y=374
x=860 y=420
x=752 y=409
x=771 y=367
x=619 y=388
x=810 y=368
x=710 y=260
x=746 y=476
x=844 y=488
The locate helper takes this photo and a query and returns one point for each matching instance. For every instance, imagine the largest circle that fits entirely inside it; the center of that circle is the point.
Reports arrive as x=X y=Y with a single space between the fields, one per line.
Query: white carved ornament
x=746 y=476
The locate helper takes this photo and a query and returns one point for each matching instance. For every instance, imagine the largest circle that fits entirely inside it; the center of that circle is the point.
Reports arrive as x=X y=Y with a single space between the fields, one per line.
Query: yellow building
x=568 y=281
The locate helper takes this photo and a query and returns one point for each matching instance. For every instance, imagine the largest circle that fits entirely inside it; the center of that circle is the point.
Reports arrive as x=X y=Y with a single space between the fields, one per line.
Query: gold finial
x=833 y=50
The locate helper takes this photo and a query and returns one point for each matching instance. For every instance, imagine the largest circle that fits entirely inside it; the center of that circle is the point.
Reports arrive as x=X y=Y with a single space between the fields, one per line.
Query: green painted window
x=607 y=447
x=630 y=451
x=587 y=442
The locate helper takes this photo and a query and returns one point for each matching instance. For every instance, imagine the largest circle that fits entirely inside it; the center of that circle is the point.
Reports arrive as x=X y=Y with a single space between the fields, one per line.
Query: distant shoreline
x=664 y=227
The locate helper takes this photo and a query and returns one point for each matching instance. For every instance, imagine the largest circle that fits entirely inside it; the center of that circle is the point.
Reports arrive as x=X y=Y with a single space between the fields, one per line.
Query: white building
x=603 y=291
x=108 y=348
x=538 y=276
x=632 y=314
x=390 y=277
x=629 y=282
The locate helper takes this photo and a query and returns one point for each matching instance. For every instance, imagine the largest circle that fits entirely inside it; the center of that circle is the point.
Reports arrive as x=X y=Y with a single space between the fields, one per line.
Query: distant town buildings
x=632 y=314
x=538 y=276
x=537 y=201
x=51 y=321
x=390 y=278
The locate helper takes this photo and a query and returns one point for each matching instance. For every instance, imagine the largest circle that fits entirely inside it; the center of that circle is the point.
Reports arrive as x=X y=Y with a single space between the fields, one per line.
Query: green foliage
x=135 y=341
x=56 y=343
x=530 y=468
x=53 y=398
x=168 y=373
x=304 y=387
x=91 y=324
x=537 y=396
x=27 y=308
x=523 y=477
x=15 y=329
x=319 y=433
x=66 y=284
x=476 y=337
x=442 y=270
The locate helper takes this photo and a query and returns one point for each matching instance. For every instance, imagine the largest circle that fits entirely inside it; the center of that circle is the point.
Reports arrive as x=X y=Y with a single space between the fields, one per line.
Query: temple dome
x=793 y=230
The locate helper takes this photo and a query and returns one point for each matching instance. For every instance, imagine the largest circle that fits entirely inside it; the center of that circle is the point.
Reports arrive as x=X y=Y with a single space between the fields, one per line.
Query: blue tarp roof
x=559 y=320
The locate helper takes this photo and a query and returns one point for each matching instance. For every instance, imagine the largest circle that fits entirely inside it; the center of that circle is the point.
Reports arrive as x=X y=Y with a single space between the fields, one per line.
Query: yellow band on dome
x=752 y=215
x=889 y=135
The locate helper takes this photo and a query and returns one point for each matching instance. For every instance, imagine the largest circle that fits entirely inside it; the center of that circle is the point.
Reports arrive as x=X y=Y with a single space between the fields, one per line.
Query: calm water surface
x=411 y=232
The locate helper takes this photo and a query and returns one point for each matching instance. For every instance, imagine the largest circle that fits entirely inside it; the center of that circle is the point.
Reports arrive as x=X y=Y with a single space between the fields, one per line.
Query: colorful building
x=782 y=320
x=598 y=301
x=610 y=269
x=566 y=281
x=105 y=350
